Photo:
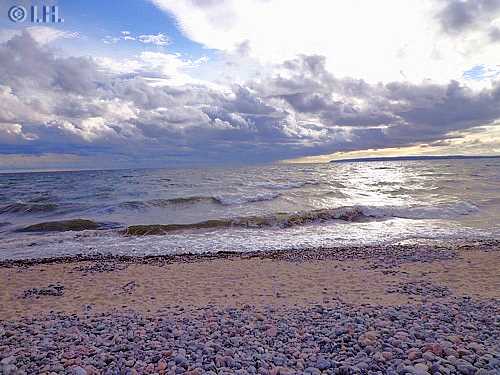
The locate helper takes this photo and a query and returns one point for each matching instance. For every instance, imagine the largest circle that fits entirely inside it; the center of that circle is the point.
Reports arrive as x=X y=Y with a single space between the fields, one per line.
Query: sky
x=159 y=83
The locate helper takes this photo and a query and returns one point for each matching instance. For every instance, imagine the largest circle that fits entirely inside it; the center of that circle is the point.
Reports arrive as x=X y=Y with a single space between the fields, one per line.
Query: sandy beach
x=278 y=285
x=237 y=281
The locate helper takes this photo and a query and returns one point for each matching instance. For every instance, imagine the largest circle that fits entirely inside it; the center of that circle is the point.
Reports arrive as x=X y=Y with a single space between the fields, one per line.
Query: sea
x=251 y=208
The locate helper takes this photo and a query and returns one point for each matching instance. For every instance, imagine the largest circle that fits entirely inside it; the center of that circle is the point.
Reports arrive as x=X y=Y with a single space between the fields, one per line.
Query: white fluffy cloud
x=386 y=40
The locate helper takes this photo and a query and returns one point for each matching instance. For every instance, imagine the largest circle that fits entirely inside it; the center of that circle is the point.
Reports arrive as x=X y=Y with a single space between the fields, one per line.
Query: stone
x=272 y=331
x=387 y=355
x=312 y=371
x=465 y=367
x=367 y=339
x=8 y=360
x=414 y=354
x=77 y=370
x=436 y=349
x=323 y=364
x=429 y=356
x=162 y=365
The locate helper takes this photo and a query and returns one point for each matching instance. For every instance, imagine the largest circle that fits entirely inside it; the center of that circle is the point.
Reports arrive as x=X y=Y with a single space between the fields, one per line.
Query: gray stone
x=77 y=370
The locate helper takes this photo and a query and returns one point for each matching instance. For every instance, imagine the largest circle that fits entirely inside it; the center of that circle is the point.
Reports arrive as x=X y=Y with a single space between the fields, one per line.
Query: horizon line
x=414 y=157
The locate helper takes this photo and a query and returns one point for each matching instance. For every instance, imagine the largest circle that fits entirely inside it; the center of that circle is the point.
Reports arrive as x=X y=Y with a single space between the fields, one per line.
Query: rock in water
x=62 y=226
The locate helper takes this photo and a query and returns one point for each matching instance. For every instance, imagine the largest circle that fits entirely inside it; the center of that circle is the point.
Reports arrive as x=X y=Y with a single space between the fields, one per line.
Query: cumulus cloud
x=83 y=106
x=394 y=114
x=458 y=16
x=76 y=104
x=378 y=41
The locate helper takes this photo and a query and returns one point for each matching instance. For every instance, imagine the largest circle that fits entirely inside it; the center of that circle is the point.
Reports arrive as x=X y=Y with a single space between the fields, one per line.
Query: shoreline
x=404 y=308
x=398 y=249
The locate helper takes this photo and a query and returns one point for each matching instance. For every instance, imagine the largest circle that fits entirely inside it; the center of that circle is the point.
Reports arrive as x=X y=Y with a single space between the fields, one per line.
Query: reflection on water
x=398 y=199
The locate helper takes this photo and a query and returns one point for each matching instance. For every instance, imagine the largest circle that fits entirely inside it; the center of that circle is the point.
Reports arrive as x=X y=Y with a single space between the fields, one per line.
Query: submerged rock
x=61 y=226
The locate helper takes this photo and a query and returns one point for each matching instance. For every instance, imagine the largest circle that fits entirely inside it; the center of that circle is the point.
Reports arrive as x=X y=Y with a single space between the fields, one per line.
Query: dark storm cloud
x=50 y=104
x=457 y=16
x=47 y=101
x=397 y=113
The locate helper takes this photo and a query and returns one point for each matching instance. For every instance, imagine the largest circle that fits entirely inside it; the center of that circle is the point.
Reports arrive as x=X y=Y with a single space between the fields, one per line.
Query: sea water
x=265 y=207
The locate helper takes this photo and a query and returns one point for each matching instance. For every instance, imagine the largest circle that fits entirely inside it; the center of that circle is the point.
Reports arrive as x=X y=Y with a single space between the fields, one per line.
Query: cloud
x=158 y=67
x=158 y=39
x=377 y=41
x=132 y=112
x=42 y=34
x=108 y=39
x=74 y=104
x=458 y=16
x=494 y=34
x=394 y=114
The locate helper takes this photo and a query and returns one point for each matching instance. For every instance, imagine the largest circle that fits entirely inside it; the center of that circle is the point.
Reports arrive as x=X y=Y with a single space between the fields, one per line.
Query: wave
x=287 y=220
x=286 y=185
x=226 y=200
x=139 y=205
x=229 y=200
x=182 y=200
x=281 y=220
x=438 y=211
x=28 y=208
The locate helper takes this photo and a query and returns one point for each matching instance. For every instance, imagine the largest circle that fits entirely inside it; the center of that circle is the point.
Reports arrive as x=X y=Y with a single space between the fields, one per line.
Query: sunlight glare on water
x=386 y=202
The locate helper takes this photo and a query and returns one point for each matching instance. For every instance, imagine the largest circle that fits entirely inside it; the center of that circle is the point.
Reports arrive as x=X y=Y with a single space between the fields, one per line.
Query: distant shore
x=93 y=301
x=416 y=158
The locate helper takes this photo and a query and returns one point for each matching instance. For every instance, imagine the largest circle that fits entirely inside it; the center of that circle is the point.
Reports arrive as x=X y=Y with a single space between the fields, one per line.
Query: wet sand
x=237 y=281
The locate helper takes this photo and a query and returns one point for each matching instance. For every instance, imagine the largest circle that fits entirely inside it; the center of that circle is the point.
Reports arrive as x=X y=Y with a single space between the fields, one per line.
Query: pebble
x=451 y=335
x=331 y=339
x=77 y=370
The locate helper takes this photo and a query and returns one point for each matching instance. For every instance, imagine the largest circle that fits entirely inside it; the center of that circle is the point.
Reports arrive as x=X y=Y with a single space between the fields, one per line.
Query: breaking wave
x=281 y=220
x=286 y=220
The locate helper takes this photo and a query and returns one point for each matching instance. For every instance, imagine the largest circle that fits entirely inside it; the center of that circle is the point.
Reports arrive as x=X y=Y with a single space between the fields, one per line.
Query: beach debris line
x=421 y=288
x=99 y=267
x=50 y=290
